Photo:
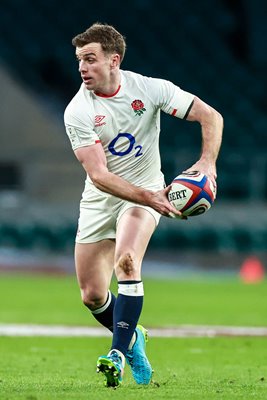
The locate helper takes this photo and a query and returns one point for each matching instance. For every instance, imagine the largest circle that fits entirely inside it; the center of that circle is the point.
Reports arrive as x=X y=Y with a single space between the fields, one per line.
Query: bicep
x=92 y=158
x=200 y=111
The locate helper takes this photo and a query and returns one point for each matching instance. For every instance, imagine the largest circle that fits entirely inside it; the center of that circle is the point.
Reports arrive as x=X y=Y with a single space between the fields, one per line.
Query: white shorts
x=100 y=213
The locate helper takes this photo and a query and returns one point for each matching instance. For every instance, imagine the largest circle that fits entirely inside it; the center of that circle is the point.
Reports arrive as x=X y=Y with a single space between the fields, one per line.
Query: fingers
x=177 y=216
x=172 y=213
x=167 y=189
x=163 y=205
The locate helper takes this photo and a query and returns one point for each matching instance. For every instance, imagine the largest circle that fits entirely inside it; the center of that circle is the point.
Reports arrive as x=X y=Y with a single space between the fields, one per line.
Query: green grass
x=188 y=369
x=40 y=368
x=56 y=300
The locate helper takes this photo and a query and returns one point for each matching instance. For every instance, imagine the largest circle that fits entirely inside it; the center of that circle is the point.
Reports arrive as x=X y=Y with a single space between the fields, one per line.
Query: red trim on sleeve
x=174 y=112
x=97 y=141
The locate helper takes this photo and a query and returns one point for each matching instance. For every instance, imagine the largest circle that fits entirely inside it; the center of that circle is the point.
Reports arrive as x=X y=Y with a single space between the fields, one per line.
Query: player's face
x=96 y=67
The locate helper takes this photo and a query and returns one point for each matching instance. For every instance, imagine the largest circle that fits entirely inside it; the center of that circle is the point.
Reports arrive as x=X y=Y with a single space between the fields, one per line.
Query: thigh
x=97 y=220
x=134 y=230
x=94 y=264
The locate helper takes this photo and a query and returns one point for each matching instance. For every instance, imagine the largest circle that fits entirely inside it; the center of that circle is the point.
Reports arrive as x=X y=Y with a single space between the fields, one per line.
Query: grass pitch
x=46 y=368
x=56 y=300
x=188 y=369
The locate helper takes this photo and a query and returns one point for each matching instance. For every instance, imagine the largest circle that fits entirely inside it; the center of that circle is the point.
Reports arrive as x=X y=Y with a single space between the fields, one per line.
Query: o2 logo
x=131 y=146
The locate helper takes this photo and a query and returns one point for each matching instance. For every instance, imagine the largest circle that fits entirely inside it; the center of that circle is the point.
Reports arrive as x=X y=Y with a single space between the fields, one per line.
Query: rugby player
x=113 y=123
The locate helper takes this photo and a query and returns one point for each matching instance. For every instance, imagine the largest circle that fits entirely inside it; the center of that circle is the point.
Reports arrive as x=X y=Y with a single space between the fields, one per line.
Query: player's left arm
x=211 y=123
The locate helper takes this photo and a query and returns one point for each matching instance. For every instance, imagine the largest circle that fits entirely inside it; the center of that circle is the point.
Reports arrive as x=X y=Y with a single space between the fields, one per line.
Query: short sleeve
x=79 y=128
x=171 y=98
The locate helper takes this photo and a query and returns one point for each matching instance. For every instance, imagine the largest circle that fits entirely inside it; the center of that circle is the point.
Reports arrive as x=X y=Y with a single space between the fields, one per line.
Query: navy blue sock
x=104 y=314
x=126 y=313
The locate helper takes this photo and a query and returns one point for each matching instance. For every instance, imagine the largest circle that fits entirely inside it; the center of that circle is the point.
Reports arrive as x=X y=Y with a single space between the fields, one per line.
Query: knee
x=92 y=299
x=125 y=267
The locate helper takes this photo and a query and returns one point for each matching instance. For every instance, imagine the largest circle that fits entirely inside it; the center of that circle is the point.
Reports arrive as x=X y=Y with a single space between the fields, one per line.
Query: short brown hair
x=110 y=39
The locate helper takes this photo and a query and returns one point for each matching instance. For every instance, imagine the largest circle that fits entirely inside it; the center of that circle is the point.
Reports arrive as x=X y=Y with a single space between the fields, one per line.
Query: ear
x=115 y=61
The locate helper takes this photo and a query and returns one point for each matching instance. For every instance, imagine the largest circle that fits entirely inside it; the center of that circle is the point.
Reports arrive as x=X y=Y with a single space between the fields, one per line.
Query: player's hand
x=206 y=168
x=160 y=203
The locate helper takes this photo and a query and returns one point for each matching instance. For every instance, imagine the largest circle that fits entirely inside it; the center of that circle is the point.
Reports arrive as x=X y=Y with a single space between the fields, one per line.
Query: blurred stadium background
x=217 y=51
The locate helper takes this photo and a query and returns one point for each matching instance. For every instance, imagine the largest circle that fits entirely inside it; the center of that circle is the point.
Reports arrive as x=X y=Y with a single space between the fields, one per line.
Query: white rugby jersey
x=127 y=124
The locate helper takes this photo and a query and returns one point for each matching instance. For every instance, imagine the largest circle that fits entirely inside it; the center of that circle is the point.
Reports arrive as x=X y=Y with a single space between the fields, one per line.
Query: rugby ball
x=192 y=193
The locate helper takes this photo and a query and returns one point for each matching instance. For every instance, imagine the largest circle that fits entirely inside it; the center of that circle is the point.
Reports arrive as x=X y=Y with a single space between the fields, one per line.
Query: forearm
x=94 y=162
x=211 y=128
x=119 y=187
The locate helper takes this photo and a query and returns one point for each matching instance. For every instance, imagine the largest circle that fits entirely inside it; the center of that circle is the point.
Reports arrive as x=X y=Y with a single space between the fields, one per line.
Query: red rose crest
x=138 y=107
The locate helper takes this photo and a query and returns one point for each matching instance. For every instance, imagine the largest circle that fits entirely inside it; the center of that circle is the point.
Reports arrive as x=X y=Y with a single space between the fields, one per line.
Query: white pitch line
x=179 y=331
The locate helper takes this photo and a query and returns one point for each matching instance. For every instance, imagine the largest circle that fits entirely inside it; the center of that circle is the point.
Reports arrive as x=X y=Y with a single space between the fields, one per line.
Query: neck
x=111 y=88
x=109 y=94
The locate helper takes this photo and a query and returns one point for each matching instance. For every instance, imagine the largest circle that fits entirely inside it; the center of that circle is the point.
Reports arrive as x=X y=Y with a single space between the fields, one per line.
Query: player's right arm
x=93 y=159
